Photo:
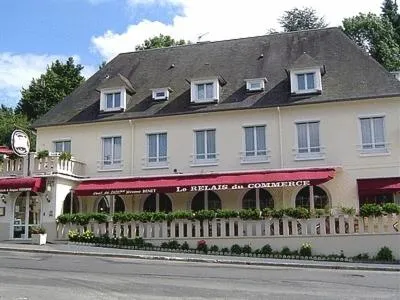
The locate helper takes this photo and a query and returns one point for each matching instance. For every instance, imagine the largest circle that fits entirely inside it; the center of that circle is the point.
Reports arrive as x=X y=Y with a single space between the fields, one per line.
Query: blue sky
x=36 y=32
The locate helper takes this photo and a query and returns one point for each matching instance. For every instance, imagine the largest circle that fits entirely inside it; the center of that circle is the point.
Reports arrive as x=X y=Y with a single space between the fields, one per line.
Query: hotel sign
x=200 y=188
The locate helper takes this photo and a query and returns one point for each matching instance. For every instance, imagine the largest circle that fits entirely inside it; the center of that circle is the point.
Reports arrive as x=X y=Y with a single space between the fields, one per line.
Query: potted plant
x=42 y=154
x=38 y=235
x=65 y=156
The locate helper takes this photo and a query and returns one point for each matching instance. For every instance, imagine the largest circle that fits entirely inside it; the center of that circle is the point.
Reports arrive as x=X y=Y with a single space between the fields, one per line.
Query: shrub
x=185 y=246
x=250 y=214
x=226 y=213
x=370 y=210
x=87 y=236
x=42 y=154
x=319 y=212
x=139 y=242
x=38 y=230
x=65 y=156
x=164 y=245
x=384 y=254
x=64 y=218
x=180 y=214
x=286 y=251
x=391 y=208
x=266 y=212
x=277 y=213
x=204 y=215
x=351 y=211
x=266 y=249
x=202 y=246
x=158 y=216
x=246 y=249
x=297 y=213
x=225 y=250
x=173 y=244
x=73 y=235
x=236 y=249
x=305 y=249
x=362 y=256
x=214 y=248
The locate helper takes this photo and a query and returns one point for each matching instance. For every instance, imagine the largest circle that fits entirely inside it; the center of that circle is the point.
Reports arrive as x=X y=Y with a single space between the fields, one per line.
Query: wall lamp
x=3 y=199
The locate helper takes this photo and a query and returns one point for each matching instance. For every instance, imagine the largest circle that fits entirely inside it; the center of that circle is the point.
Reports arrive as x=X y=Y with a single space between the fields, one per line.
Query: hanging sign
x=20 y=143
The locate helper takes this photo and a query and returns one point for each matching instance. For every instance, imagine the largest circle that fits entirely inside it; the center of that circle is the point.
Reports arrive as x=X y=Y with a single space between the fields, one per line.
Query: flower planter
x=39 y=238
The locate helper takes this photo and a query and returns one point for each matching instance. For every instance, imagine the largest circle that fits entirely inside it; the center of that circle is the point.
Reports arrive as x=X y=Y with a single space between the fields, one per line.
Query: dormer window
x=256 y=84
x=160 y=94
x=305 y=81
x=203 y=91
x=112 y=100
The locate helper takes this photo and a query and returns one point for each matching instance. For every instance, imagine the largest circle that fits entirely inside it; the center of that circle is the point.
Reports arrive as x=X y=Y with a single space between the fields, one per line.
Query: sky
x=33 y=33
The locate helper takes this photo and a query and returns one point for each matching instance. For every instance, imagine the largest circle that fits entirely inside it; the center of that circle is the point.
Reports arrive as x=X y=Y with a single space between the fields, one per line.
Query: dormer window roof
x=161 y=93
x=255 y=84
x=306 y=76
x=204 y=90
x=113 y=93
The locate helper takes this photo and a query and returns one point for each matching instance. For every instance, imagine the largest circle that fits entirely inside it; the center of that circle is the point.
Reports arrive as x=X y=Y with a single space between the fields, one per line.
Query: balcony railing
x=12 y=167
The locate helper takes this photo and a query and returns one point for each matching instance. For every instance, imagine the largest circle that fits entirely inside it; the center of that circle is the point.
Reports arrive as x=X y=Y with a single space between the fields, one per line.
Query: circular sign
x=20 y=143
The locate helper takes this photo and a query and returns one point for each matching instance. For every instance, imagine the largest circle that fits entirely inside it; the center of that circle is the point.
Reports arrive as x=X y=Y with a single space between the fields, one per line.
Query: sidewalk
x=70 y=249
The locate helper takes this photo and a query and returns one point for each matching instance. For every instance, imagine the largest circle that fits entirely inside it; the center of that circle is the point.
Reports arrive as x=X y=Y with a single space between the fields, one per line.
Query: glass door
x=27 y=210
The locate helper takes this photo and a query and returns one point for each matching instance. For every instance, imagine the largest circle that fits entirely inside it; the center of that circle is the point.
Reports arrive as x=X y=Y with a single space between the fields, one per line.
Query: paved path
x=65 y=248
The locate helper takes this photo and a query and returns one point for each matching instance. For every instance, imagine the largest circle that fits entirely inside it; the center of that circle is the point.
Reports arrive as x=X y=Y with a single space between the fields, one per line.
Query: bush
x=351 y=211
x=37 y=230
x=250 y=214
x=73 y=235
x=65 y=156
x=236 y=249
x=202 y=246
x=64 y=218
x=204 y=215
x=384 y=254
x=173 y=244
x=214 y=248
x=139 y=242
x=297 y=213
x=87 y=236
x=246 y=249
x=225 y=250
x=266 y=249
x=266 y=212
x=362 y=256
x=277 y=213
x=391 y=208
x=164 y=245
x=226 y=213
x=305 y=249
x=185 y=246
x=286 y=251
x=370 y=210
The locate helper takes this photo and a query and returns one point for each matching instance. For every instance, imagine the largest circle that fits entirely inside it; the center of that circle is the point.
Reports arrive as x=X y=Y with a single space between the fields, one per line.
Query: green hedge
x=368 y=210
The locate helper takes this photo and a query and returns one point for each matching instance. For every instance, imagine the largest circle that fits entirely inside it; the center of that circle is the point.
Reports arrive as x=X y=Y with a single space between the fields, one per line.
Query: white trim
x=103 y=99
x=193 y=90
x=113 y=166
x=294 y=85
x=206 y=161
x=308 y=155
x=61 y=141
x=260 y=81
x=373 y=151
x=164 y=90
x=155 y=164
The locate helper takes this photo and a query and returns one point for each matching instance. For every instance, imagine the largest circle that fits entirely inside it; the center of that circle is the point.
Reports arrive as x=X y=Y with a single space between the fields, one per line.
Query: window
x=206 y=200
x=62 y=146
x=160 y=94
x=104 y=204
x=113 y=100
x=112 y=152
x=377 y=199
x=308 y=144
x=157 y=149
x=321 y=200
x=257 y=198
x=204 y=91
x=157 y=202
x=255 y=144
x=372 y=134
x=205 y=145
x=67 y=205
x=257 y=84
x=306 y=81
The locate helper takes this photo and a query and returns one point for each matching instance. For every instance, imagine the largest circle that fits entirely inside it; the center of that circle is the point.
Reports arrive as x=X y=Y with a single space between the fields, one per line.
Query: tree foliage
x=390 y=11
x=59 y=80
x=160 y=41
x=376 y=35
x=9 y=121
x=301 y=19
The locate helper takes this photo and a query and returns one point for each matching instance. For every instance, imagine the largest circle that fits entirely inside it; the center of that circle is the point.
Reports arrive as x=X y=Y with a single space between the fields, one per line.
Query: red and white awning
x=378 y=186
x=21 y=184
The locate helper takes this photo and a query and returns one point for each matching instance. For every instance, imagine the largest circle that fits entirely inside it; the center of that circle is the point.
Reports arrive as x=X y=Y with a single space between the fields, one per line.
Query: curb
x=209 y=260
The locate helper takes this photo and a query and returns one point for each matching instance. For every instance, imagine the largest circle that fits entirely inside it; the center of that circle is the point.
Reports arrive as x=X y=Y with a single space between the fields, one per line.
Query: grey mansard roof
x=349 y=74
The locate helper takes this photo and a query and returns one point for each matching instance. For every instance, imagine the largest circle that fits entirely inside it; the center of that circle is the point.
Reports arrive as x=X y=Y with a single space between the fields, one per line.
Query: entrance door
x=27 y=211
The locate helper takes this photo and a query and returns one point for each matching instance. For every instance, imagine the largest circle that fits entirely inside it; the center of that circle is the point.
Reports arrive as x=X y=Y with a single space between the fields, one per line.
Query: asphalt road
x=48 y=276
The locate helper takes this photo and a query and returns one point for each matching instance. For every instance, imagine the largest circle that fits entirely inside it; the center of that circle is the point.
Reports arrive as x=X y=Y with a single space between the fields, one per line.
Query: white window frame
x=295 y=84
x=112 y=166
x=160 y=90
x=103 y=99
x=63 y=141
x=194 y=90
x=308 y=155
x=158 y=164
x=207 y=161
x=256 y=158
x=260 y=81
x=373 y=150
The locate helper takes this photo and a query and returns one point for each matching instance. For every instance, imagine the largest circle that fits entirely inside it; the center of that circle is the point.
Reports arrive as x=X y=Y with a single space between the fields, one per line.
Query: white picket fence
x=237 y=228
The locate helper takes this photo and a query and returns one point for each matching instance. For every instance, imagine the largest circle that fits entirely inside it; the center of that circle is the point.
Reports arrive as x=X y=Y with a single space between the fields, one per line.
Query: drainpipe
x=131 y=123
x=280 y=137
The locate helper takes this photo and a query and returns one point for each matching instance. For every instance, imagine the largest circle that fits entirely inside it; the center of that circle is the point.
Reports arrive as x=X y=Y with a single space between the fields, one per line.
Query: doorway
x=27 y=213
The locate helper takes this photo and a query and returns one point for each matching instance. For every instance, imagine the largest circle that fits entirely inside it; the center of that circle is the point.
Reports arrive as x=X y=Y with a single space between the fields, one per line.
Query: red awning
x=378 y=186
x=5 y=150
x=20 y=184
x=203 y=182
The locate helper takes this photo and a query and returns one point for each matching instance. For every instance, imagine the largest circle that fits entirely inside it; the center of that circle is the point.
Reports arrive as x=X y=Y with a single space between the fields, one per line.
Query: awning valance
x=378 y=186
x=21 y=184
x=205 y=182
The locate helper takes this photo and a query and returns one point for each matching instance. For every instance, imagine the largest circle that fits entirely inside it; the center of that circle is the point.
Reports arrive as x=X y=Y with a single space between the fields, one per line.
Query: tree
x=50 y=88
x=390 y=11
x=301 y=19
x=160 y=41
x=9 y=121
x=377 y=36
x=102 y=65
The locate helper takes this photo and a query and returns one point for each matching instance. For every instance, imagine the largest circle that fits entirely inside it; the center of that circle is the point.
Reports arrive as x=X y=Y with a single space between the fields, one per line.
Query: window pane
x=117 y=100
x=59 y=146
x=260 y=133
x=314 y=136
x=310 y=81
x=107 y=150
x=160 y=94
x=379 y=133
x=200 y=144
x=162 y=152
x=249 y=140
x=117 y=150
x=366 y=133
x=209 y=91
x=200 y=91
x=211 y=143
x=152 y=140
x=302 y=137
x=109 y=100
x=301 y=84
x=67 y=146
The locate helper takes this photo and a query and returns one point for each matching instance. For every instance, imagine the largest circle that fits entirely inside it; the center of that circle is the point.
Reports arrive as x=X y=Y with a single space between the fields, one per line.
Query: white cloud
x=17 y=71
x=222 y=19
